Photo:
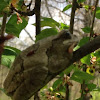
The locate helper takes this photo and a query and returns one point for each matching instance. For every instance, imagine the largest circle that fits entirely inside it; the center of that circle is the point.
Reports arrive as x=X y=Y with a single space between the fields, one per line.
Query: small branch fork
x=28 y=12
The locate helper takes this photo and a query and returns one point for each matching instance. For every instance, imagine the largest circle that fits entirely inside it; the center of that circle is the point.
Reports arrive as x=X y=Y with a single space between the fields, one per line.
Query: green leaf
x=83 y=41
x=20 y=3
x=56 y=83
x=86 y=59
x=13 y=28
x=69 y=69
x=67 y=7
x=98 y=12
x=11 y=51
x=86 y=7
x=46 y=33
x=2 y=89
x=62 y=88
x=80 y=76
x=48 y=22
x=97 y=89
x=80 y=1
x=61 y=74
x=3 y=4
x=91 y=86
x=8 y=56
x=77 y=47
x=86 y=29
x=63 y=26
x=97 y=54
x=7 y=60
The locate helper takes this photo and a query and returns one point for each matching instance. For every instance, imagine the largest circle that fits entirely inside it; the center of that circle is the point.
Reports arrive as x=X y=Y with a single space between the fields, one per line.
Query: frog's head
x=67 y=40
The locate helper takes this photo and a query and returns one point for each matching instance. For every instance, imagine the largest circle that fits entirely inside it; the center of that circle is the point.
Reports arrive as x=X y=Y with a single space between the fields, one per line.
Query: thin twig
x=3 y=25
x=37 y=14
x=91 y=31
x=2 y=35
x=46 y=3
x=63 y=12
x=72 y=16
x=28 y=13
x=3 y=30
x=29 y=5
x=29 y=35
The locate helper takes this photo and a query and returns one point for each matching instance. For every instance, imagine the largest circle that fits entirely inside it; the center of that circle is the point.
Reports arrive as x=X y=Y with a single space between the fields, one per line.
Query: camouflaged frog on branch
x=38 y=64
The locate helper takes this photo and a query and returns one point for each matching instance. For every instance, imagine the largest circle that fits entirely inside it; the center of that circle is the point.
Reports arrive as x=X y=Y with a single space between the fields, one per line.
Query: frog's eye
x=66 y=35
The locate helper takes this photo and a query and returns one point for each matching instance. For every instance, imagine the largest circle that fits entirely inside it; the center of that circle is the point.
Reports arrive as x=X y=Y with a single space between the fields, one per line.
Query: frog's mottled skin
x=38 y=64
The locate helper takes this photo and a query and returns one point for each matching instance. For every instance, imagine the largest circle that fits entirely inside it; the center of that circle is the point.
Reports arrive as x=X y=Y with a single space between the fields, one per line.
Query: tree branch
x=62 y=12
x=91 y=32
x=72 y=16
x=2 y=33
x=86 y=49
x=28 y=13
x=3 y=24
x=46 y=3
x=29 y=35
x=37 y=13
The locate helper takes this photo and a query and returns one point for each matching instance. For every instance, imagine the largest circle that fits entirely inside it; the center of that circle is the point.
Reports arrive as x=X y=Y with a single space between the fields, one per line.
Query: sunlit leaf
x=80 y=76
x=56 y=83
x=11 y=51
x=67 y=7
x=13 y=28
x=97 y=54
x=91 y=86
x=86 y=29
x=98 y=13
x=8 y=56
x=3 y=4
x=77 y=47
x=48 y=22
x=7 y=60
x=62 y=88
x=20 y=2
x=69 y=69
x=63 y=26
x=86 y=59
x=86 y=7
x=46 y=33
x=83 y=41
x=97 y=89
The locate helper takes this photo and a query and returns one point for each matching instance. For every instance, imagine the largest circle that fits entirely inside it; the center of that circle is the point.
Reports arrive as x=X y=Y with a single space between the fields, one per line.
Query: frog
x=38 y=64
